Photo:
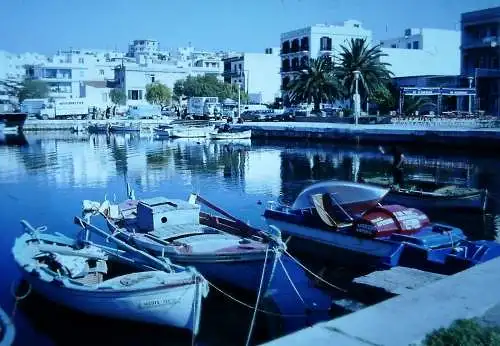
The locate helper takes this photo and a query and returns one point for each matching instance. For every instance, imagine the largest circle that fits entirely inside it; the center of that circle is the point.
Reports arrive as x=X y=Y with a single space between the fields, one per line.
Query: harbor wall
x=382 y=133
x=408 y=318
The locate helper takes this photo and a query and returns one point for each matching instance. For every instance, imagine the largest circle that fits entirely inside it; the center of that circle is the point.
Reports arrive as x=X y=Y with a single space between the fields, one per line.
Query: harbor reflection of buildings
x=302 y=166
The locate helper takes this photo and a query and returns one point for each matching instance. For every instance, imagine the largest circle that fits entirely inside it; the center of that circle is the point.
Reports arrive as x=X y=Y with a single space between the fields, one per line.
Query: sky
x=45 y=26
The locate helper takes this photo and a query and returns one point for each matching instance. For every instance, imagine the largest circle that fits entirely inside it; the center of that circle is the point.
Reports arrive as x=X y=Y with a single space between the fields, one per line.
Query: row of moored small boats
x=165 y=253
x=175 y=131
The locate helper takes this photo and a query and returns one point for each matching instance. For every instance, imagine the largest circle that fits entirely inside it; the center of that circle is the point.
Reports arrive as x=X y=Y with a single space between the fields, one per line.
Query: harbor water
x=45 y=176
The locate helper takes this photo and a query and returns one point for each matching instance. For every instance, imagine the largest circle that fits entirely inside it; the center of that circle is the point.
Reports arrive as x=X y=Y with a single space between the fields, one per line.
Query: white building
x=298 y=46
x=78 y=73
x=256 y=73
x=134 y=77
x=423 y=52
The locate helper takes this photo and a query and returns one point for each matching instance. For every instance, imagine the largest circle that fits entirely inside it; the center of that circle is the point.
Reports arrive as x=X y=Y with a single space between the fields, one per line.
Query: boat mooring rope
x=313 y=274
x=291 y=282
x=16 y=297
x=249 y=336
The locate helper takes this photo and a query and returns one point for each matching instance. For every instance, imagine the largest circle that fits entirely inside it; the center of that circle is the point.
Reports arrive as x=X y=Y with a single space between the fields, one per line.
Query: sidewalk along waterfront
x=387 y=133
x=408 y=318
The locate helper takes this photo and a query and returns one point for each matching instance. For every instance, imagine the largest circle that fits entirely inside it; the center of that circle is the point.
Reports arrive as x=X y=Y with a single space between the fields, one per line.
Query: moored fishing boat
x=125 y=127
x=223 y=250
x=348 y=219
x=230 y=135
x=7 y=329
x=104 y=281
x=163 y=130
x=189 y=132
x=444 y=197
x=98 y=128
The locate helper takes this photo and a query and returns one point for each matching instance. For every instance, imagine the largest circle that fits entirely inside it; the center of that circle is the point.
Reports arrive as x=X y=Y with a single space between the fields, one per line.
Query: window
x=80 y=60
x=134 y=94
x=394 y=46
x=408 y=45
x=152 y=79
x=101 y=72
x=325 y=43
x=415 y=45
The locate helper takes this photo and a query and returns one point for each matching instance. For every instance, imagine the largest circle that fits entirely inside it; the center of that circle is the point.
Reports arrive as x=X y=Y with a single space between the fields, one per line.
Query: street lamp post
x=470 y=96
x=356 y=97
x=239 y=100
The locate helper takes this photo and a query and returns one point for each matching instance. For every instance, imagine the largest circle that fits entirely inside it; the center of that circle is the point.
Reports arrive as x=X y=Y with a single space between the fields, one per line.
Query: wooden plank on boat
x=175 y=231
x=398 y=280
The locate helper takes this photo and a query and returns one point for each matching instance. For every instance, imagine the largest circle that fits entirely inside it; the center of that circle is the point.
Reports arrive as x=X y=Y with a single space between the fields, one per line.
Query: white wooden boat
x=104 y=281
x=230 y=135
x=7 y=329
x=222 y=249
x=163 y=130
x=189 y=132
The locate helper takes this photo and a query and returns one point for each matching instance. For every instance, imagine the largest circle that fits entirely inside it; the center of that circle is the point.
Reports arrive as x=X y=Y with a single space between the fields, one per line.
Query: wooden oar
x=226 y=214
x=104 y=234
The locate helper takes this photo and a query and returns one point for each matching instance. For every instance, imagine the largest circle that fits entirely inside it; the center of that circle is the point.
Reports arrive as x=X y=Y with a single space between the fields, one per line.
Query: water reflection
x=46 y=176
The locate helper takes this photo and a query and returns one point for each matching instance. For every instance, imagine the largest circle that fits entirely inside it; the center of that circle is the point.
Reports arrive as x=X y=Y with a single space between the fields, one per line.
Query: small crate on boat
x=156 y=212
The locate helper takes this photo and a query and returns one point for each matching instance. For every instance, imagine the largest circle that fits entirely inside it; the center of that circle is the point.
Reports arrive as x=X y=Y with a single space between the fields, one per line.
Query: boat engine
x=384 y=220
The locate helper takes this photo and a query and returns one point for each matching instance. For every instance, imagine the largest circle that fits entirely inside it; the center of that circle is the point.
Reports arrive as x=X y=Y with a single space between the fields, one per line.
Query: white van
x=144 y=111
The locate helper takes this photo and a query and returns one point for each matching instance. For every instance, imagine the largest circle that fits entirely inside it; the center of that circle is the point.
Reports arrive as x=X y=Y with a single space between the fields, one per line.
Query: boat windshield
x=342 y=192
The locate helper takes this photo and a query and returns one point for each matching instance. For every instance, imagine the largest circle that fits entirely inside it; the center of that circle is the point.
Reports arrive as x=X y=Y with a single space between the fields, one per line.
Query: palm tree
x=316 y=83
x=359 y=56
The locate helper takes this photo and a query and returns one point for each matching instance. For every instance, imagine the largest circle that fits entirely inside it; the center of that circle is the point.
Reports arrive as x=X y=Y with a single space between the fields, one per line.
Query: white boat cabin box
x=159 y=212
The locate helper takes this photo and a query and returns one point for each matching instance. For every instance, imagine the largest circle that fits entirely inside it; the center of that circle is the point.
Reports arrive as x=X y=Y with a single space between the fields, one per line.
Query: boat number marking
x=146 y=304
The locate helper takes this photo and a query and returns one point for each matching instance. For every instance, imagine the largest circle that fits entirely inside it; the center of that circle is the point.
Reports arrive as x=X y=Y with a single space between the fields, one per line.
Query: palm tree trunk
x=316 y=108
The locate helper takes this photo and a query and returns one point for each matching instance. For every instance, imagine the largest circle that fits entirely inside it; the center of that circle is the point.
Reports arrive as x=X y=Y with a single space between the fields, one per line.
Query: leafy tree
x=316 y=83
x=118 y=96
x=27 y=89
x=158 y=94
x=359 y=56
x=385 y=98
x=414 y=103
x=207 y=85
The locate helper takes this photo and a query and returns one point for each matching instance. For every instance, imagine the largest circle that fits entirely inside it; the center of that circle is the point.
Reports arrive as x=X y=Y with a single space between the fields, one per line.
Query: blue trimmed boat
x=7 y=329
x=348 y=218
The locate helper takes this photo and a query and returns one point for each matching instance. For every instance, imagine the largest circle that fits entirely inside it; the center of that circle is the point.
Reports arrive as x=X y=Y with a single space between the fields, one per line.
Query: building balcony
x=485 y=42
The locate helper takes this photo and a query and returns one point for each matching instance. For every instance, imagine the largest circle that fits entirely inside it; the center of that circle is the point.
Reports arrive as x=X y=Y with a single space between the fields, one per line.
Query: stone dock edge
x=408 y=318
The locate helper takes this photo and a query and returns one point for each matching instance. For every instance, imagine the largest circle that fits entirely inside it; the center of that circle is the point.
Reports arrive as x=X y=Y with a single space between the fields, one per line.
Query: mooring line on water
x=252 y=306
x=291 y=282
x=18 y=298
x=313 y=274
x=257 y=302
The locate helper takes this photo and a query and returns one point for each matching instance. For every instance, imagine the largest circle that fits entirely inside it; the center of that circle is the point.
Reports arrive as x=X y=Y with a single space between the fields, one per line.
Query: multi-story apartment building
x=480 y=54
x=256 y=73
x=298 y=46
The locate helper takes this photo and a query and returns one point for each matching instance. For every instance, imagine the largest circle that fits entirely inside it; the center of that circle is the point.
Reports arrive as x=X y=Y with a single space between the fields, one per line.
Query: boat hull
x=168 y=306
x=356 y=250
x=7 y=329
x=242 y=270
x=474 y=201
x=189 y=133
x=230 y=135
x=123 y=129
x=13 y=119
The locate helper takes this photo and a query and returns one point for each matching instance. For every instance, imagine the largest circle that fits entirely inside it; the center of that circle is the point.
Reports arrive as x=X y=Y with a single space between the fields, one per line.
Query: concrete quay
x=409 y=317
x=63 y=125
x=382 y=133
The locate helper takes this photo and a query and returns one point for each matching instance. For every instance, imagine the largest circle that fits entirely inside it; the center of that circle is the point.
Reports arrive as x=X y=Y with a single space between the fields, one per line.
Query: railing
x=472 y=122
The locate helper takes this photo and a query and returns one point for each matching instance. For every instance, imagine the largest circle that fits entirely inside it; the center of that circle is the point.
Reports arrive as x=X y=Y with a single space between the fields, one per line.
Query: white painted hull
x=231 y=135
x=7 y=328
x=168 y=306
x=190 y=132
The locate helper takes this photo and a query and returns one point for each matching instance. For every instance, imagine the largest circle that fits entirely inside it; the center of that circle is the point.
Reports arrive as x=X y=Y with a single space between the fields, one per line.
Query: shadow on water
x=14 y=139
